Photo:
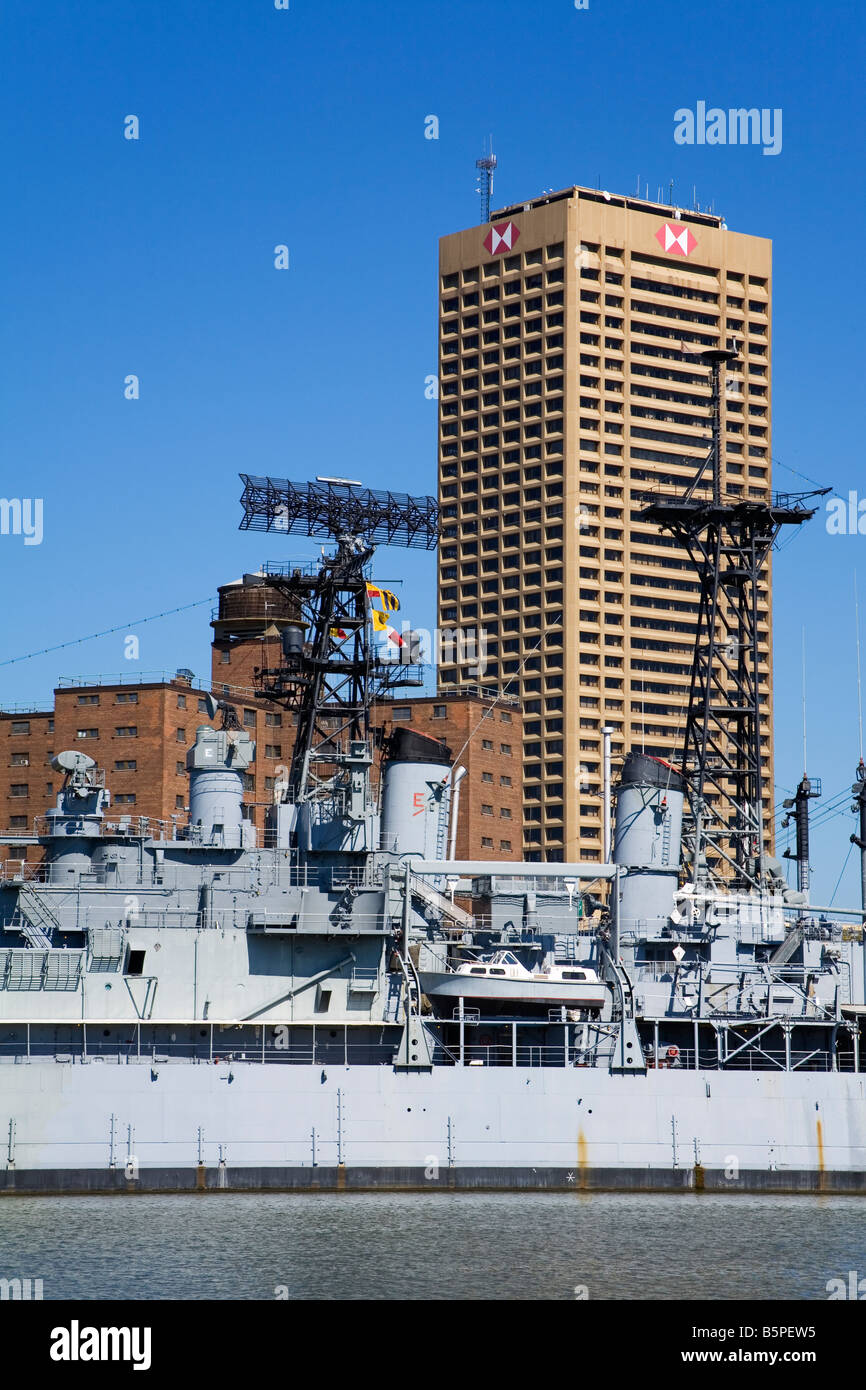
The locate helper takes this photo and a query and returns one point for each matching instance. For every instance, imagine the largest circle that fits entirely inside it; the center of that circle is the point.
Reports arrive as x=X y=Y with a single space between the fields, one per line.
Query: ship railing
x=362 y=877
x=131 y=827
x=525 y=1055
x=19 y=871
x=335 y=1052
x=756 y=1060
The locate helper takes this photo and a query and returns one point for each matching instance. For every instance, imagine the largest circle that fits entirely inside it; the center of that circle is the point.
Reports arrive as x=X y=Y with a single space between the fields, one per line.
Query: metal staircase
x=440 y=902
x=792 y=942
x=37 y=922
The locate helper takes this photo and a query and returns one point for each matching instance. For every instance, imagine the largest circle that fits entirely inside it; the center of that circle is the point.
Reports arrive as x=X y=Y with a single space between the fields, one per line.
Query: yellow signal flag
x=380 y=620
x=389 y=601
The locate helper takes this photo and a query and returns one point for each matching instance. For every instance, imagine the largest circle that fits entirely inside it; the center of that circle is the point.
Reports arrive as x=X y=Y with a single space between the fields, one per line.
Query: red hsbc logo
x=501 y=237
x=676 y=240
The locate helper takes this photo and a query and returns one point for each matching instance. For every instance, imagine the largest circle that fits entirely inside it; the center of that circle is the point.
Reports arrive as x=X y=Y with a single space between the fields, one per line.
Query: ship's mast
x=728 y=541
x=330 y=675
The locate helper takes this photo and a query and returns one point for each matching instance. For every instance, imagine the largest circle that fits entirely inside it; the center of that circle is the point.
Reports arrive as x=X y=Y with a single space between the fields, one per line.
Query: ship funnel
x=649 y=816
x=216 y=764
x=415 y=794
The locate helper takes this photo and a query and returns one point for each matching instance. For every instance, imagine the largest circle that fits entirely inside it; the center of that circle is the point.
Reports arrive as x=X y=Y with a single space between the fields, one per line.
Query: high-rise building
x=571 y=391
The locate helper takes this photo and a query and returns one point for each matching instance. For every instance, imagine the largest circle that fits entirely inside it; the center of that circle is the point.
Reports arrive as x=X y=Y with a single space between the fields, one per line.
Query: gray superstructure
x=221 y=1009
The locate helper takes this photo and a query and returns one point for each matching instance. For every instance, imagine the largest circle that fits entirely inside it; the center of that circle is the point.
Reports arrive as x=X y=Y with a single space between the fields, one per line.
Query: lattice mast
x=330 y=674
x=728 y=541
x=486 y=167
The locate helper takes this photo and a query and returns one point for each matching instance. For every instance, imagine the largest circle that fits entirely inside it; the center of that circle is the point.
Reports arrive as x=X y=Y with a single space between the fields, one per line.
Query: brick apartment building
x=138 y=732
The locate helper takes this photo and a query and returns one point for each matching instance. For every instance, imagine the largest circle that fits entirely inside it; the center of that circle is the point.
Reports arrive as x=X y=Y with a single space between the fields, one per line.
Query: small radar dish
x=70 y=761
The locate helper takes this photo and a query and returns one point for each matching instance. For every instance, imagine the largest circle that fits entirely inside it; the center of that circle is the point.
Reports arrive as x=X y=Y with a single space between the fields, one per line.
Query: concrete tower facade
x=570 y=394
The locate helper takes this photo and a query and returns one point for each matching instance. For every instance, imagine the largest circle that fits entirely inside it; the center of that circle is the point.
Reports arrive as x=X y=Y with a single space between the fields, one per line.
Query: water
x=437 y=1246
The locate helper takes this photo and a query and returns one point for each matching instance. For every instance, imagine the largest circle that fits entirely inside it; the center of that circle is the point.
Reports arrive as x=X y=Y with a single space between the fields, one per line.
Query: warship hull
x=140 y=1127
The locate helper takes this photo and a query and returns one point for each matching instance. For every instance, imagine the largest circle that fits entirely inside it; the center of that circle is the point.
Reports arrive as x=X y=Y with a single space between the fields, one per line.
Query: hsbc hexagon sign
x=501 y=237
x=675 y=239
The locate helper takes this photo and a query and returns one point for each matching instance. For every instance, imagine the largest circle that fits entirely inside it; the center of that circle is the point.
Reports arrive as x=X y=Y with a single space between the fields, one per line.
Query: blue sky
x=306 y=127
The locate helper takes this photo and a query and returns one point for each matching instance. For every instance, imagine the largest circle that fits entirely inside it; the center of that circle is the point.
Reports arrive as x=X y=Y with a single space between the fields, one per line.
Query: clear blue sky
x=306 y=127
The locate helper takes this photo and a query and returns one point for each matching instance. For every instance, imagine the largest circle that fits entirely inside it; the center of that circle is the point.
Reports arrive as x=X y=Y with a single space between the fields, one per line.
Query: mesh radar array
x=332 y=672
x=333 y=507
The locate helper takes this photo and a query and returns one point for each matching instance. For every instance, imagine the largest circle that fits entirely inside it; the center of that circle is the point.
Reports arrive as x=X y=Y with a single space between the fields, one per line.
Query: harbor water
x=441 y=1246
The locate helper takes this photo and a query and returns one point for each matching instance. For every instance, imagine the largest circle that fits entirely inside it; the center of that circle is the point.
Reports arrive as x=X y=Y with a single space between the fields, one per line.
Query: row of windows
x=553 y=252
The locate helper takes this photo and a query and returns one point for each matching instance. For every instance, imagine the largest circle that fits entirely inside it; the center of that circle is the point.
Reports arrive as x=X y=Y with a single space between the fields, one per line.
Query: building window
x=88 y=699
x=401 y=714
x=505 y=750
x=486 y=810
x=487 y=776
x=87 y=733
x=505 y=781
x=487 y=744
x=225 y=656
x=181 y=702
x=505 y=846
x=125 y=765
x=126 y=731
x=17 y=822
x=274 y=721
x=486 y=842
x=125 y=799
x=273 y=750
x=440 y=711
x=505 y=813
x=20 y=760
x=181 y=736
x=126 y=697
x=19 y=789
x=180 y=768
x=202 y=706
x=179 y=803
x=20 y=726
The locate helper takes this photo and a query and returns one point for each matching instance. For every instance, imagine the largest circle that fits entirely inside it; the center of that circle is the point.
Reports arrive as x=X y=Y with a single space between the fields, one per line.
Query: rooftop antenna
x=671 y=193
x=486 y=167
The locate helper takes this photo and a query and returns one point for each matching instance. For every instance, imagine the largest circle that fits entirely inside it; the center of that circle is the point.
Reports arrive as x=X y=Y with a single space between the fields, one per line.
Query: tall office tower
x=571 y=391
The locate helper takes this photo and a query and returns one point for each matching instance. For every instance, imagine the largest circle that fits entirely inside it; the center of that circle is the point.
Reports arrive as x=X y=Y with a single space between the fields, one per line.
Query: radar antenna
x=331 y=673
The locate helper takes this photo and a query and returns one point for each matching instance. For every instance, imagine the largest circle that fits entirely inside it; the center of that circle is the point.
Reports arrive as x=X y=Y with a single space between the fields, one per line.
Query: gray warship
x=338 y=1003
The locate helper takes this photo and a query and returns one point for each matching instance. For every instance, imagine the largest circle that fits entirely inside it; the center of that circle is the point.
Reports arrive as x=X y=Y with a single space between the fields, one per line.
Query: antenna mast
x=330 y=674
x=728 y=542
x=486 y=167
